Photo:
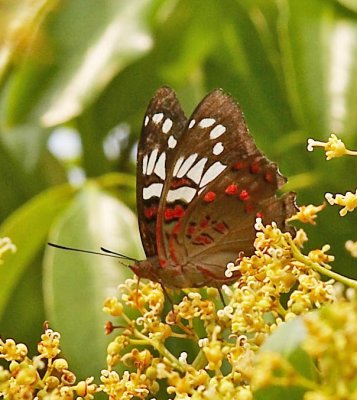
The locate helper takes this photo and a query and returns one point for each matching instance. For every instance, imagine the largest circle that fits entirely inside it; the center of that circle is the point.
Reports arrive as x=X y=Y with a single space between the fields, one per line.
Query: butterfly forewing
x=163 y=124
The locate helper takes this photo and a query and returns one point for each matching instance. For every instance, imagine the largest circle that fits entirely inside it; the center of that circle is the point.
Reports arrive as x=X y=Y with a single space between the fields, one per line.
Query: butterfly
x=201 y=184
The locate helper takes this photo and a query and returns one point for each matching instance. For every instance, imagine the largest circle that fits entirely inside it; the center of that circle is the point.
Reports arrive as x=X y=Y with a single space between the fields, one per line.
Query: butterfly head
x=146 y=268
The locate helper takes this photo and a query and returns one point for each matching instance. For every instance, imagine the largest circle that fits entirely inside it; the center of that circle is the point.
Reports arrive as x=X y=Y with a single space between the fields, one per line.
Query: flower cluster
x=307 y=214
x=348 y=201
x=336 y=148
x=228 y=335
x=208 y=344
x=45 y=376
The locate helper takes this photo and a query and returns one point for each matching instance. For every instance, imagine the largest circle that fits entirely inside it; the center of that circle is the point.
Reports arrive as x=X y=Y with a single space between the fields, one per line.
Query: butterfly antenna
x=106 y=254
x=118 y=254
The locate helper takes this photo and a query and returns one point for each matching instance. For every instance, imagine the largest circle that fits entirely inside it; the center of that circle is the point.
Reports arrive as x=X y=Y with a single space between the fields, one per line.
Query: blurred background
x=75 y=80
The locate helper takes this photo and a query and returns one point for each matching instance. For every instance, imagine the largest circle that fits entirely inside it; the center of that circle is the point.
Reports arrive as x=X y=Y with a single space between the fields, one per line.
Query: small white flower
x=310 y=144
x=227 y=290
x=230 y=269
x=258 y=226
x=203 y=342
x=329 y=198
x=183 y=358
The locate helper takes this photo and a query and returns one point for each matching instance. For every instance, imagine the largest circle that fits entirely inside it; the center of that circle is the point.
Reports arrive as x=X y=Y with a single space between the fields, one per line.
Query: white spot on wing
x=218 y=148
x=184 y=193
x=154 y=190
x=172 y=142
x=167 y=125
x=192 y=124
x=145 y=163
x=177 y=165
x=195 y=173
x=146 y=120
x=156 y=118
x=160 y=166
x=152 y=161
x=186 y=165
x=213 y=171
x=206 y=122
x=217 y=131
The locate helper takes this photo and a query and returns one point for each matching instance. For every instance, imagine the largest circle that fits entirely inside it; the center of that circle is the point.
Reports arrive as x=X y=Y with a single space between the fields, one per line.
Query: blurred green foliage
x=90 y=68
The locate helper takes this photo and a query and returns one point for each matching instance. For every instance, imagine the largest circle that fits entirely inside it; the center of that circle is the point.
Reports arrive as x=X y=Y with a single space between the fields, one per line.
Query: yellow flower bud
x=26 y=375
x=151 y=373
x=81 y=388
x=114 y=348
x=52 y=382
x=214 y=355
x=60 y=364
x=154 y=387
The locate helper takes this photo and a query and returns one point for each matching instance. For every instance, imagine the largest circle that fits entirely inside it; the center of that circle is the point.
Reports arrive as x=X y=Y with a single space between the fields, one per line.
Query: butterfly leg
x=168 y=297
x=221 y=296
x=137 y=293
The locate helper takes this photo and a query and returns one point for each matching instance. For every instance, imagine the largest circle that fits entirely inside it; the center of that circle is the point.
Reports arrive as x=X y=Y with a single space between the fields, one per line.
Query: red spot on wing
x=174 y=213
x=239 y=165
x=209 y=197
x=173 y=235
x=255 y=167
x=244 y=195
x=269 y=176
x=231 y=190
x=168 y=214
x=191 y=229
x=162 y=263
x=203 y=240
x=204 y=223
x=179 y=211
x=179 y=182
x=221 y=227
x=150 y=212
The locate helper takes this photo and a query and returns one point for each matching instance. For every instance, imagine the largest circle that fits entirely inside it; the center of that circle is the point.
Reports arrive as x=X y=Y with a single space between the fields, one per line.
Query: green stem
x=200 y=361
x=298 y=381
x=321 y=270
x=351 y=152
x=162 y=350
x=140 y=342
x=280 y=309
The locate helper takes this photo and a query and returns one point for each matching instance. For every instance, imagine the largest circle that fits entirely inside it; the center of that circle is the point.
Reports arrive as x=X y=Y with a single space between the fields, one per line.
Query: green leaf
x=319 y=55
x=28 y=227
x=286 y=340
x=76 y=284
x=23 y=318
x=91 y=43
x=279 y=393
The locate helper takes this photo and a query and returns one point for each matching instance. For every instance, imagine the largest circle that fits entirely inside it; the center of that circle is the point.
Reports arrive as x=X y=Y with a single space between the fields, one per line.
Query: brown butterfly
x=201 y=183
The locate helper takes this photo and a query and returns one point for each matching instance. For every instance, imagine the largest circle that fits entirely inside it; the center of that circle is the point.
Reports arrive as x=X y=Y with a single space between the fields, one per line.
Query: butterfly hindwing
x=219 y=183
